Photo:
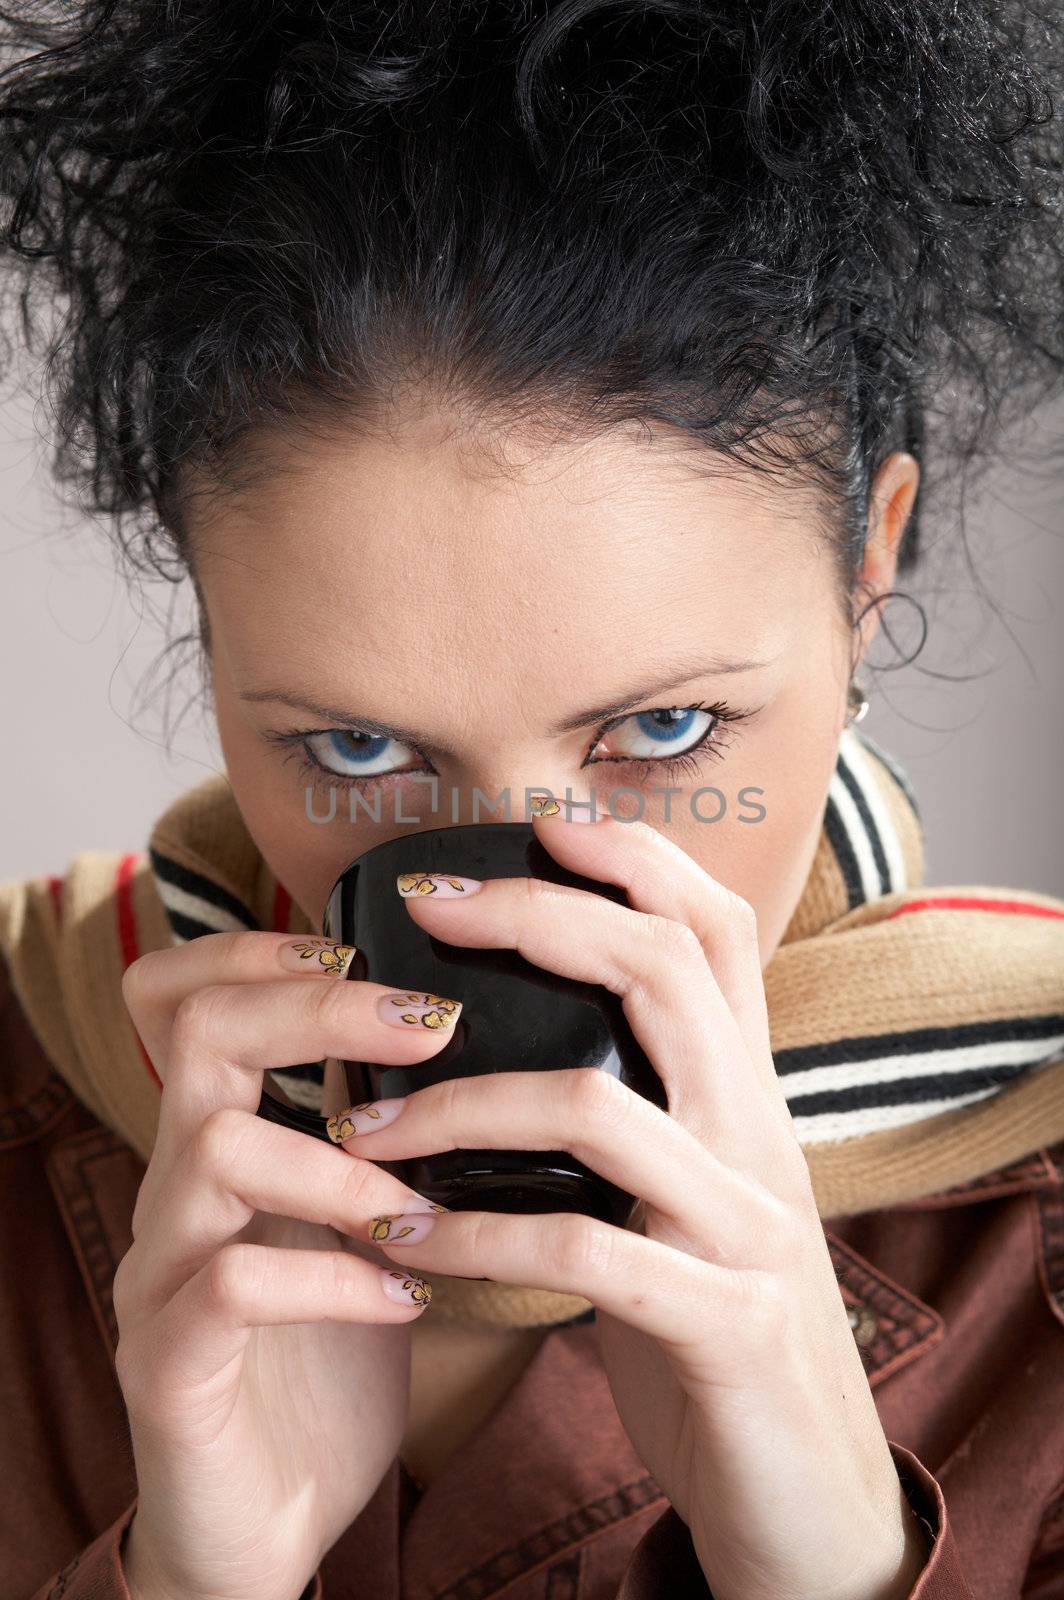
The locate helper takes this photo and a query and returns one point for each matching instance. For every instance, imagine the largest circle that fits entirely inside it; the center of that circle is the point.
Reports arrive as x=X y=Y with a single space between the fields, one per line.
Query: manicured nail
x=317 y=956
x=408 y=1227
x=442 y=884
x=363 y=1118
x=406 y=1289
x=580 y=811
x=571 y=810
x=409 y=1009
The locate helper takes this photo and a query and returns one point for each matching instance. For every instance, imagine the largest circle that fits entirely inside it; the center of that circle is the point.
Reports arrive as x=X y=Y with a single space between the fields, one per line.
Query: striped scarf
x=912 y=1029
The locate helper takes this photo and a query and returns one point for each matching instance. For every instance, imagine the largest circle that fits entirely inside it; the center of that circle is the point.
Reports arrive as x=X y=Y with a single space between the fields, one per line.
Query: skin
x=460 y=602
x=477 y=593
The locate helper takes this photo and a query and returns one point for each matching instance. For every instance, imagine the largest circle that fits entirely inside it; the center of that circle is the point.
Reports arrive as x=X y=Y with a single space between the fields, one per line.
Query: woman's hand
x=723 y=1332
x=263 y=1363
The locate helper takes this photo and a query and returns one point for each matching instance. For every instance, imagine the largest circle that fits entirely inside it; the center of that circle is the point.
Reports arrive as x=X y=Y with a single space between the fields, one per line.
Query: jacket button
x=863 y=1321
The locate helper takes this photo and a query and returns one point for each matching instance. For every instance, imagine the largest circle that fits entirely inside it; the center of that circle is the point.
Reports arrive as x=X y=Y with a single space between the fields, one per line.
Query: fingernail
x=442 y=884
x=581 y=811
x=571 y=810
x=363 y=1118
x=409 y=1009
x=408 y=1228
x=317 y=956
x=406 y=1289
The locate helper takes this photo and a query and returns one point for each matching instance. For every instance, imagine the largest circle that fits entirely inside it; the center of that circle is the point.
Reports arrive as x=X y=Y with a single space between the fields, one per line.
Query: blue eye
x=660 y=732
x=665 y=740
x=351 y=754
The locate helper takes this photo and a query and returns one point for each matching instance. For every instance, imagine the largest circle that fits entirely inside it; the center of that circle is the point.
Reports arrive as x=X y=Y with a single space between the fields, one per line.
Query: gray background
x=85 y=759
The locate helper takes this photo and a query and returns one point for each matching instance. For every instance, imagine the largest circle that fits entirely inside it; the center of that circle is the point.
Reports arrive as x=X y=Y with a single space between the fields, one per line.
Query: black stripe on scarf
x=916 y=1041
x=172 y=872
x=851 y=783
x=906 y=1091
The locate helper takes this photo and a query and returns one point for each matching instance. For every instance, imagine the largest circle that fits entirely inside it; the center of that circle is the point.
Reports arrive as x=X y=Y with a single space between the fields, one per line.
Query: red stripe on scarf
x=55 y=889
x=282 y=903
x=127 y=935
x=1014 y=908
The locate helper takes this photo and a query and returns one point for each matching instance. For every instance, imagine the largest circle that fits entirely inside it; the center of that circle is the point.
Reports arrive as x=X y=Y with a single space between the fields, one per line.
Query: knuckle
x=778 y=1227
x=343 y=1283
x=140 y=1207
x=331 y=1007
x=139 y=978
x=677 y=941
x=596 y=1096
x=355 y=1186
x=127 y=1365
x=536 y=890
x=757 y=1299
x=765 y=1308
x=740 y=913
x=122 y=1287
x=235 y=1276
x=232 y=948
x=580 y=1246
x=539 y=893
x=212 y=1146
x=445 y=1101
x=198 y=1019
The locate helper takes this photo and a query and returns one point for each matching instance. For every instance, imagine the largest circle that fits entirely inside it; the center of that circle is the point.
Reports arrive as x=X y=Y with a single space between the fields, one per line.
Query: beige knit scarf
x=919 y=1033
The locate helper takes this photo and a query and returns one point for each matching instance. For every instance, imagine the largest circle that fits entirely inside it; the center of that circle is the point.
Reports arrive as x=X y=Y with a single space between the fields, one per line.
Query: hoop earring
x=858 y=699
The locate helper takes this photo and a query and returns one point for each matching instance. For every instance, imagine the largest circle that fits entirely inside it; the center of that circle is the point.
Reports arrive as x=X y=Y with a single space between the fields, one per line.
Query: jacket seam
x=917 y=1327
x=78 y=1208
x=564 y=1576
x=1047 y=1210
x=37 y=1115
x=1053 y=1503
x=484 y=1581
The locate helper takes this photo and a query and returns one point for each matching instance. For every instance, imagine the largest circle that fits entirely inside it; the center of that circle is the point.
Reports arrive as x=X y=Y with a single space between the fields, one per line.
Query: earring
x=858 y=698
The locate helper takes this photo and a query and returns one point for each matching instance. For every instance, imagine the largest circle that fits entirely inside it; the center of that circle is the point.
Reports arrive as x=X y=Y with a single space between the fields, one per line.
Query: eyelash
x=689 y=761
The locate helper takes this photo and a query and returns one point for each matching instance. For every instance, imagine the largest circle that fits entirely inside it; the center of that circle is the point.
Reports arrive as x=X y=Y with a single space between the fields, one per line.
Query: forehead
x=582 y=541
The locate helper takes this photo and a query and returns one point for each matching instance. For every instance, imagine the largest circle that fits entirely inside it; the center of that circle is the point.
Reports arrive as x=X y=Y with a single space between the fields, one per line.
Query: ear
x=890 y=504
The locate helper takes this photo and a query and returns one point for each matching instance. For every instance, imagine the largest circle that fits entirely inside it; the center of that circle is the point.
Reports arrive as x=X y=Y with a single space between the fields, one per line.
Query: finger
x=207 y=1324
x=666 y=987
x=156 y=983
x=677 y=1298
x=660 y=877
x=703 y=1204
x=225 y=1036
x=236 y=1165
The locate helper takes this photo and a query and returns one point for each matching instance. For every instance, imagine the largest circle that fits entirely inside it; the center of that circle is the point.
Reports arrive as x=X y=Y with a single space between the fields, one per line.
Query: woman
x=536 y=398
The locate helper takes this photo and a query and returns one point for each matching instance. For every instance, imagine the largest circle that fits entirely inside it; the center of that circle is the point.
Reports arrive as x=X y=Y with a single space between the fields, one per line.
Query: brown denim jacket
x=956 y=1302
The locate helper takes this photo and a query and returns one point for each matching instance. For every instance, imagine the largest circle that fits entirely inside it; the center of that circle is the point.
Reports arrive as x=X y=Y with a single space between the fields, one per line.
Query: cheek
x=305 y=856
x=768 y=860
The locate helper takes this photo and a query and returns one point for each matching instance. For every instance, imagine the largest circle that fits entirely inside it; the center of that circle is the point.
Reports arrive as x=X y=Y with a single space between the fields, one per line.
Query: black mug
x=515 y=1017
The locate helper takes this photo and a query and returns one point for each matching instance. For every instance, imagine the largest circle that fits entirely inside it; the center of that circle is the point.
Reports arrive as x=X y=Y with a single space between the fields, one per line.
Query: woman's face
x=494 y=612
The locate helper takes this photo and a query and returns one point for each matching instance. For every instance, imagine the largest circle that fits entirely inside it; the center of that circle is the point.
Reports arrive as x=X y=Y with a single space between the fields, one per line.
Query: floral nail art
x=444 y=884
x=543 y=805
x=408 y=1288
x=342 y=1125
x=317 y=956
x=381 y=1228
x=418 y=1010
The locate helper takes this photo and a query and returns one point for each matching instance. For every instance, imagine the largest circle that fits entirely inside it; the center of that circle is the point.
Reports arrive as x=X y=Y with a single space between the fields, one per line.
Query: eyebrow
x=335 y=717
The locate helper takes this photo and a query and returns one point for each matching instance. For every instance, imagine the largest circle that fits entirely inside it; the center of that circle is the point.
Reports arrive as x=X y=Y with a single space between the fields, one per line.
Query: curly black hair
x=804 y=232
